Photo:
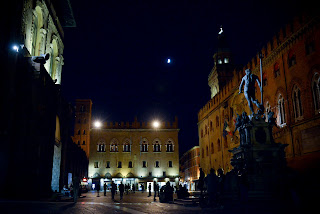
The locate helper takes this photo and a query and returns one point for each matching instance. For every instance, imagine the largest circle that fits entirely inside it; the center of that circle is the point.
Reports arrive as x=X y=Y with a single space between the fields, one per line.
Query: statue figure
x=245 y=133
x=272 y=122
x=249 y=88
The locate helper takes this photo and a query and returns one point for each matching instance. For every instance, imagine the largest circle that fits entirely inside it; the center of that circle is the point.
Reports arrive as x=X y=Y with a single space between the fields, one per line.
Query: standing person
x=76 y=185
x=121 y=190
x=105 y=189
x=201 y=181
x=113 y=189
x=155 y=189
x=98 y=189
x=134 y=188
x=142 y=188
x=149 y=187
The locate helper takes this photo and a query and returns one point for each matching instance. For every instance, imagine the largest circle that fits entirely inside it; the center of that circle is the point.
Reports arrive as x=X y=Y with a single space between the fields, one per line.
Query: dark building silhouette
x=37 y=152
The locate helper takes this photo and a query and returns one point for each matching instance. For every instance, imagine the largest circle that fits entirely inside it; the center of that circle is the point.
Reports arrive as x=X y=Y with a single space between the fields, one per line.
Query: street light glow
x=16 y=48
x=168 y=61
x=156 y=124
x=97 y=124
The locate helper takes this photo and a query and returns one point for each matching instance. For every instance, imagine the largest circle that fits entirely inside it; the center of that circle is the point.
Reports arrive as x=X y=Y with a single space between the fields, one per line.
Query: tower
x=223 y=65
x=82 y=124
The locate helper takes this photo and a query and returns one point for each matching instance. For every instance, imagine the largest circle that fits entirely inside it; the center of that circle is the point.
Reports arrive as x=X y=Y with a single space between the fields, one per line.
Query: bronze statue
x=249 y=88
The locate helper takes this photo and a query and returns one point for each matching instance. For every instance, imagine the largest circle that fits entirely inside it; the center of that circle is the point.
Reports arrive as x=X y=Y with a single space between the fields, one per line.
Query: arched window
x=156 y=145
x=144 y=145
x=276 y=70
x=169 y=146
x=219 y=145
x=217 y=121
x=211 y=127
x=316 y=92
x=127 y=146
x=291 y=59
x=212 y=148
x=297 y=105
x=281 y=111
x=114 y=145
x=84 y=132
x=101 y=146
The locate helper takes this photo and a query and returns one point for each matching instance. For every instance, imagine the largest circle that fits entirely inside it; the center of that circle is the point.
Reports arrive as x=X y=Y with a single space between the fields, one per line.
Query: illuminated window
x=226 y=60
x=291 y=59
x=219 y=61
x=114 y=145
x=297 y=105
x=276 y=70
x=156 y=146
x=169 y=146
x=281 y=111
x=127 y=146
x=316 y=92
x=101 y=147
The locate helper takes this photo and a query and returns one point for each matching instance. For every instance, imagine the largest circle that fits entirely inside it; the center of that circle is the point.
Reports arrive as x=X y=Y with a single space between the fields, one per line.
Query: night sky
x=117 y=54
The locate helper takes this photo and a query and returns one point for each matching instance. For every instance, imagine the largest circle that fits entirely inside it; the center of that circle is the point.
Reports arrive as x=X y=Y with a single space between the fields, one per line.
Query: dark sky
x=117 y=54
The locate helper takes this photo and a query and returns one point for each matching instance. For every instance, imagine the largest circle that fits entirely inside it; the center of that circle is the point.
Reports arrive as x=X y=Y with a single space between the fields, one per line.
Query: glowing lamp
x=97 y=124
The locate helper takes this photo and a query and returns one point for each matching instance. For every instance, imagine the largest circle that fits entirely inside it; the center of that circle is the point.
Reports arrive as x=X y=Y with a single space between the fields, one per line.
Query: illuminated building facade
x=135 y=153
x=291 y=77
x=189 y=168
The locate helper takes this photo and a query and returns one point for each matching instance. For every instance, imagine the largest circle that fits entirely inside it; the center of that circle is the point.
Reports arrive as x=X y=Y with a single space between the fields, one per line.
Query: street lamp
x=97 y=124
x=156 y=124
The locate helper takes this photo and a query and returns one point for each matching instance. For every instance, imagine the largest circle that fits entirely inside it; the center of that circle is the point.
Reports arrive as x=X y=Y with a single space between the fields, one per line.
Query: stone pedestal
x=259 y=159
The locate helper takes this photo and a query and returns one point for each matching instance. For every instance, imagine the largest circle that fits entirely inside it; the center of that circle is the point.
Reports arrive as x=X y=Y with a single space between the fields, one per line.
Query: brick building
x=83 y=109
x=189 y=168
x=134 y=153
x=291 y=77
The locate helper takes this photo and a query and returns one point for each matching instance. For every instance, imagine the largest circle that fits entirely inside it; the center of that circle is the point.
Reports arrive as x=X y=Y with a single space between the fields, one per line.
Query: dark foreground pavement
x=136 y=203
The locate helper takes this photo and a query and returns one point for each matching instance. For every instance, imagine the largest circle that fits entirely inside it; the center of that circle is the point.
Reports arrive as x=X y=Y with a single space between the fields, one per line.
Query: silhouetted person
x=155 y=190
x=113 y=189
x=76 y=185
x=134 y=188
x=98 y=189
x=142 y=188
x=201 y=181
x=121 y=190
x=149 y=187
x=249 y=88
x=105 y=189
x=212 y=183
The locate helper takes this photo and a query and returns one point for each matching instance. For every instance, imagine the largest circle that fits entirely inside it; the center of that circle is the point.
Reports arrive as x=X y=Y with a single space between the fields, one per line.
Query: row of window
x=130 y=164
x=127 y=146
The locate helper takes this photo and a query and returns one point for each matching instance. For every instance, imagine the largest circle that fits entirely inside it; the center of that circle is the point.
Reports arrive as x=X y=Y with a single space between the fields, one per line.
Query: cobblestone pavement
x=136 y=203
